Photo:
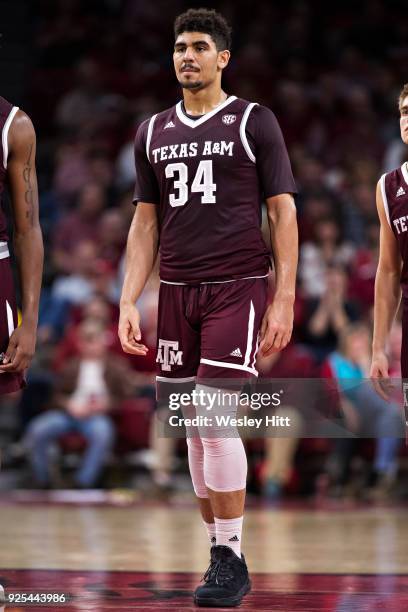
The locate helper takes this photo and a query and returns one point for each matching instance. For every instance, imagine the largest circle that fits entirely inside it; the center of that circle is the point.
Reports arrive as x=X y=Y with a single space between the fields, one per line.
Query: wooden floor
x=151 y=556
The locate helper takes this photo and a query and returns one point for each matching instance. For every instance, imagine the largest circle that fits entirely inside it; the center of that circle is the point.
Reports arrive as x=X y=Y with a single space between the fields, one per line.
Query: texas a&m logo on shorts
x=228 y=119
x=168 y=354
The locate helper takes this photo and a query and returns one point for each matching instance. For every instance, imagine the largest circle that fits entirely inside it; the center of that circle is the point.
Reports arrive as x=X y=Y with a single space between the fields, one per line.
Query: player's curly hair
x=403 y=95
x=207 y=21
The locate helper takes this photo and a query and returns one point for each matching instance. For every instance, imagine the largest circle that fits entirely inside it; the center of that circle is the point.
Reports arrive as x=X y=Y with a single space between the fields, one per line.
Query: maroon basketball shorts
x=209 y=331
x=8 y=320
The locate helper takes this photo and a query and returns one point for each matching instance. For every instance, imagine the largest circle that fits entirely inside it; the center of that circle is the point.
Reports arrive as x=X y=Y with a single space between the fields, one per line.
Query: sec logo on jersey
x=229 y=119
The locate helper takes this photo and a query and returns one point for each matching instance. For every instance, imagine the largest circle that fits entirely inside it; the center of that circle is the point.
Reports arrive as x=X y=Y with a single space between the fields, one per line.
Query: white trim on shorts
x=250 y=334
x=256 y=348
x=232 y=366
x=10 y=320
x=4 y=134
x=175 y=380
x=4 y=252
x=149 y=135
x=250 y=340
x=232 y=280
x=384 y=198
x=242 y=132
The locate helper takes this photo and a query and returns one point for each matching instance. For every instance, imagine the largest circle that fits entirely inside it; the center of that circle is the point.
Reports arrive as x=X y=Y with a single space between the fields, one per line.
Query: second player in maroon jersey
x=17 y=169
x=392 y=272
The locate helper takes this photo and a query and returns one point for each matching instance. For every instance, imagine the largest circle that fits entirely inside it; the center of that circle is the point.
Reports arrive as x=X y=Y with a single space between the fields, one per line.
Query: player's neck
x=203 y=101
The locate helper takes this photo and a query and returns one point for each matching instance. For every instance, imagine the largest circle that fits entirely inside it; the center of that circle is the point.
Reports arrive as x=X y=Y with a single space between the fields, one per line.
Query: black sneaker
x=226 y=580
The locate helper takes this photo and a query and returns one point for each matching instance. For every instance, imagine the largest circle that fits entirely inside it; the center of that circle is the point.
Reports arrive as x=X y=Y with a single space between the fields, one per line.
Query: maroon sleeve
x=146 y=187
x=272 y=161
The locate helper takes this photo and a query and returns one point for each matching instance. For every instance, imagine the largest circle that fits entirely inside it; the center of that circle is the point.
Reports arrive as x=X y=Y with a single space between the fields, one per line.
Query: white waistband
x=4 y=252
x=233 y=280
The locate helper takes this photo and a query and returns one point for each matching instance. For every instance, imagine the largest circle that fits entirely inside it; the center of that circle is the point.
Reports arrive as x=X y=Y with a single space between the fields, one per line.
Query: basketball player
x=17 y=169
x=392 y=271
x=203 y=168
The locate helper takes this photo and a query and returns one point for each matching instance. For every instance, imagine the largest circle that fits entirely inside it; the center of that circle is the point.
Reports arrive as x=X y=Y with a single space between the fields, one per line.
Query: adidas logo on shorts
x=400 y=192
x=236 y=353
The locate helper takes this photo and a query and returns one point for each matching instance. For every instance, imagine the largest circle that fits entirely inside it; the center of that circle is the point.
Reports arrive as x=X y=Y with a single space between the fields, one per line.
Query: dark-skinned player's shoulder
x=21 y=132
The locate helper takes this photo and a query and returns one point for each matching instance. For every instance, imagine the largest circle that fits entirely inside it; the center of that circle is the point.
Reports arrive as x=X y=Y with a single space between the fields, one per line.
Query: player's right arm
x=141 y=253
x=387 y=297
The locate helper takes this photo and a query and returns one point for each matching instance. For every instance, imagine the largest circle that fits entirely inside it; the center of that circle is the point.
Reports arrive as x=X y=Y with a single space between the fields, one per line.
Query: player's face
x=404 y=120
x=197 y=61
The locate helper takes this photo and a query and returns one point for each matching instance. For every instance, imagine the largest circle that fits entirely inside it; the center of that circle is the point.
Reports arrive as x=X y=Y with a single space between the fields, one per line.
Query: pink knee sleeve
x=196 y=465
x=225 y=464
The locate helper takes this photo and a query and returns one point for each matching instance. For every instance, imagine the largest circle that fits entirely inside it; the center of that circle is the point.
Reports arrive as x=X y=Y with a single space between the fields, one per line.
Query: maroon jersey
x=207 y=176
x=7 y=112
x=394 y=190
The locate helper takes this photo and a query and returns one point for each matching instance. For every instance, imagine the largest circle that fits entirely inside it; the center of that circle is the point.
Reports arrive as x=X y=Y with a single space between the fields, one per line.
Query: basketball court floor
x=115 y=553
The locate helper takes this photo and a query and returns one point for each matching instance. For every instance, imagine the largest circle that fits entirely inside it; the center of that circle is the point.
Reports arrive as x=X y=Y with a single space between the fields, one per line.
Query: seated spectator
x=365 y=412
x=80 y=225
x=111 y=236
x=87 y=388
x=360 y=209
x=72 y=172
x=89 y=276
x=294 y=362
x=69 y=296
x=312 y=210
x=53 y=315
x=82 y=105
x=99 y=310
x=327 y=249
x=327 y=316
x=364 y=267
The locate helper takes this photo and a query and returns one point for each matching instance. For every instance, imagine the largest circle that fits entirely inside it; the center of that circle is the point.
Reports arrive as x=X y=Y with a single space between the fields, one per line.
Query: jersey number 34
x=202 y=183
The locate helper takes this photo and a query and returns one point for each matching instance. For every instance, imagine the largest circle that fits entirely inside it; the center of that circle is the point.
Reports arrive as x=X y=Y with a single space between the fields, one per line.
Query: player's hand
x=276 y=328
x=379 y=375
x=129 y=330
x=20 y=349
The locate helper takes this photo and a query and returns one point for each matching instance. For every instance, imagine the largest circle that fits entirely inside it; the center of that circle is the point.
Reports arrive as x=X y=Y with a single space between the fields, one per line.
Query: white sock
x=229 y=532
x=211 y=532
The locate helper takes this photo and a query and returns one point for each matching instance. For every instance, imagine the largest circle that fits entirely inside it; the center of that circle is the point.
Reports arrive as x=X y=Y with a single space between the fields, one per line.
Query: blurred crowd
x=332 y=76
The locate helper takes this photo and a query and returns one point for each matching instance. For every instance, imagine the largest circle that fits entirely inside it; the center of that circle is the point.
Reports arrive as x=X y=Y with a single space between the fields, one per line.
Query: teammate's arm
x=277 y=324
x=28 y=244
x=387 y=296
x=141 y=253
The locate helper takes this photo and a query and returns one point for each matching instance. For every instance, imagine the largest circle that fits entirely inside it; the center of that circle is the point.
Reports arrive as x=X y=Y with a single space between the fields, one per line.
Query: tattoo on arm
x=28 y=194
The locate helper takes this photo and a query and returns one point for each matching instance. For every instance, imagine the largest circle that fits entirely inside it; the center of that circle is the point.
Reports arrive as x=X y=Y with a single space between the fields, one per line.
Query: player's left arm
x=278 y=185
x=277 y=324
x=28 y=243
